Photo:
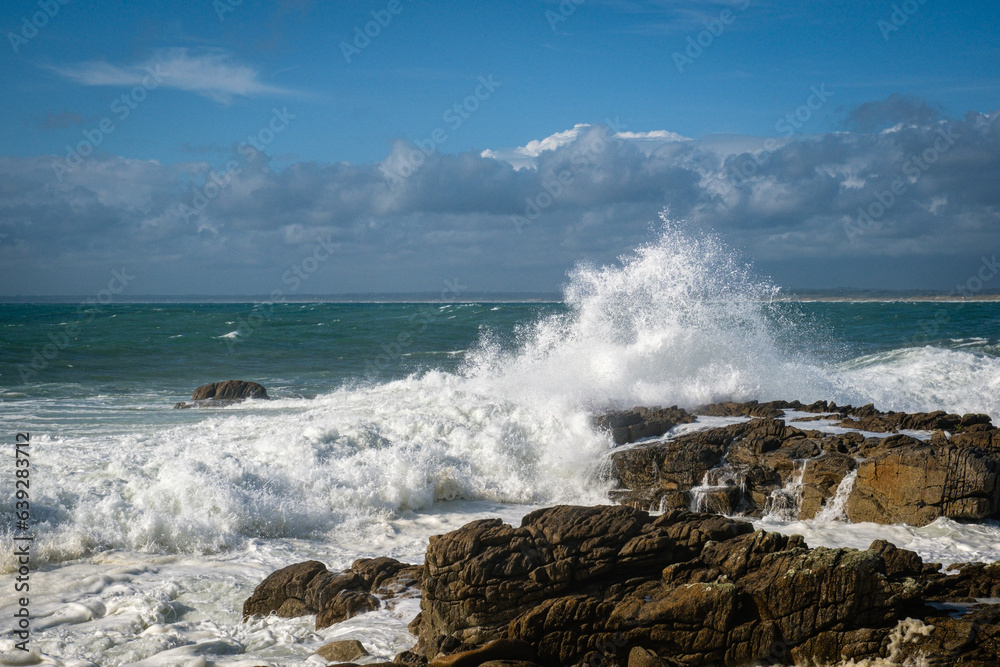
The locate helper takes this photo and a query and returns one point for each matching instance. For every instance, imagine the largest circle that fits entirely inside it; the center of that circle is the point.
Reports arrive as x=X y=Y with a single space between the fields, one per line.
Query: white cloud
x=524 y=157
x=212 y=73
x=789 y=205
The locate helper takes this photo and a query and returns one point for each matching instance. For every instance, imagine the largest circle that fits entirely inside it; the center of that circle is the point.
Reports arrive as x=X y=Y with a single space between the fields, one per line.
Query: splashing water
x=680 y=321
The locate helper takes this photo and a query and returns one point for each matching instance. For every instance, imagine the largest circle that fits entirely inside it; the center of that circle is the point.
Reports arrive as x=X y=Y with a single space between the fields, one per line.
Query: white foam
x=164 y=526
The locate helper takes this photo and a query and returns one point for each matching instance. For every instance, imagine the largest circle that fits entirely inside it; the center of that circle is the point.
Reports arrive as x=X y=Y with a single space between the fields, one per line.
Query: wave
x=679 y=321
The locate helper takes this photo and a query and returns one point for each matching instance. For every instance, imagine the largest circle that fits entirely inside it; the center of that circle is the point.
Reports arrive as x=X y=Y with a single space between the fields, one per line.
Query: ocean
x=391 y=422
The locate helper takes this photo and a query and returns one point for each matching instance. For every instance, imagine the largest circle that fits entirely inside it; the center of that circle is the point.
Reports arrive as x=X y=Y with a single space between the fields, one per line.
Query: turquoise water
x=162 y=351
x=393 y=422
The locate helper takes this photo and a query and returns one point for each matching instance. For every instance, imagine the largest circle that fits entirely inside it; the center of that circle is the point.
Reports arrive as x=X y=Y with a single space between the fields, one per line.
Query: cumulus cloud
x=914 y=206
x=525 y=157
x=212 y=73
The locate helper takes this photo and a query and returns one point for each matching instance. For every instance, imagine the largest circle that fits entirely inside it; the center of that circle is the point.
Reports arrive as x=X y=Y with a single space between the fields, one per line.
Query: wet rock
x=281 y=587
x=615 y=586
x=867 y=418
x=310 y=588
x=965 y=582
x=652 y=473
x=344 y=605
x=768 y=410
x=820 y=481
x=219 y=394
x=768 y=466
x=344 y=650
x=498 y=650
x=631 y=425
x=918 y=483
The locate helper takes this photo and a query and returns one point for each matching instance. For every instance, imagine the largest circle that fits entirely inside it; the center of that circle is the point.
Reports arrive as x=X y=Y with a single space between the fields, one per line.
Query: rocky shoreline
x=615 y=585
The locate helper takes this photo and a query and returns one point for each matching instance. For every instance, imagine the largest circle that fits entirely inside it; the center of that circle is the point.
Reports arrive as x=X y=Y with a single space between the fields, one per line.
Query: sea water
x=392 y=422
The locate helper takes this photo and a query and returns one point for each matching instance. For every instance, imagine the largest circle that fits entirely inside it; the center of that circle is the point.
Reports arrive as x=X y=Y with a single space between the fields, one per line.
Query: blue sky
x=290 y=126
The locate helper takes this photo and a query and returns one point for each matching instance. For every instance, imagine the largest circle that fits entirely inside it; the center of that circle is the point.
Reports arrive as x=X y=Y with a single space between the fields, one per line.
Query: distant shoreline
x=922 y=298
x=475 y=297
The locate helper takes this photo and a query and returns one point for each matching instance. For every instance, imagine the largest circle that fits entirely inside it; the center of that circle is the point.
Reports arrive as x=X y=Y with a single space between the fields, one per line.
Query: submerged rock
x=219 y=394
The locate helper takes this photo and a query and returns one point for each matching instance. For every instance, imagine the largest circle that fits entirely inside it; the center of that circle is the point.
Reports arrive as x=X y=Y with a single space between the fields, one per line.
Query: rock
x=764 y=466
x=310 y=588
x=230 y=390
x=615 y=586
x=748 y=409
x=280 y=586
x=900 y=563
x=918 y=483
x=345 y=605
x=652 y=472
x=344 y=650
x=969 y=637
x=631 y=425
x=820 y=481
x=499 y=650
x=988 y=439
x=965 y=582
x=640 y=657
x=409 y=658
x=867 y=418
x=219 y=394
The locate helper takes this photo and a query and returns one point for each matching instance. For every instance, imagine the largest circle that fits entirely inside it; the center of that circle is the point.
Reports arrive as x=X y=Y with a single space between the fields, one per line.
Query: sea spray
x=681 y=320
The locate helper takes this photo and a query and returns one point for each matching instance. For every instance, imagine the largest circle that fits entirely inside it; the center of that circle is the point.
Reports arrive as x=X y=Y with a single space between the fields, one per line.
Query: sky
x=241 y=147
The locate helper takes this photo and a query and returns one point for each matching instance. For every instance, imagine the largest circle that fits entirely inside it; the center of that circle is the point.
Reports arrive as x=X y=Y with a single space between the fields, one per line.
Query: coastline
x=465 y=297
x=673 y=576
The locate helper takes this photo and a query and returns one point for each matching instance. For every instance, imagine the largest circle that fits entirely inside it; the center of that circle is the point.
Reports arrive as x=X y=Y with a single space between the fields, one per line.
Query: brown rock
x=344 y=650
x=650 y=473
x=310 y=588
x=917 y=483
x=638 y=423
x=820 y=482
x=640 y=657
x=614 y=586
x=502 y=650
x=344 y=605
x=224 y=393
x=230 y=390
x=749 y=409
x=280 y=586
